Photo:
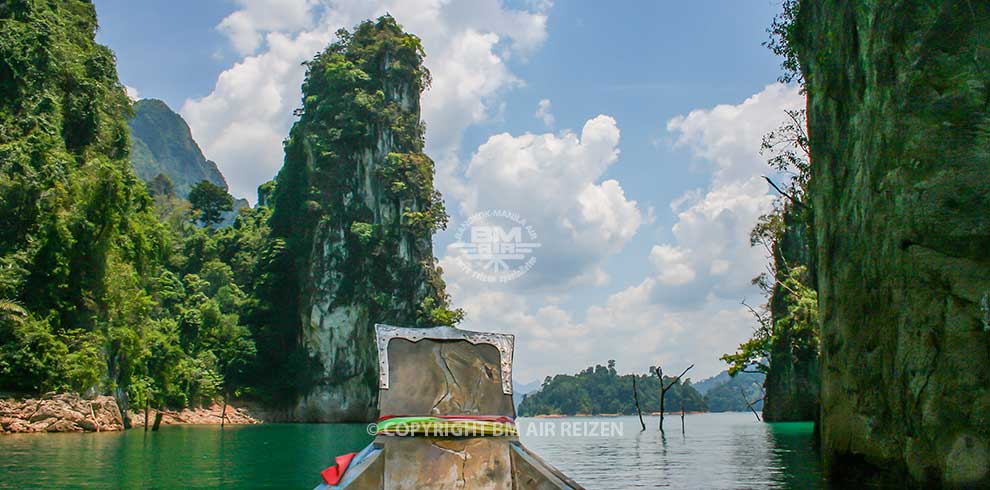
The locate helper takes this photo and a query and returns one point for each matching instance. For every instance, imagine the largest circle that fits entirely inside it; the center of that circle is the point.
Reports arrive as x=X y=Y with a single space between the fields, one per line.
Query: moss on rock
x=356 y=208
x=898 y=116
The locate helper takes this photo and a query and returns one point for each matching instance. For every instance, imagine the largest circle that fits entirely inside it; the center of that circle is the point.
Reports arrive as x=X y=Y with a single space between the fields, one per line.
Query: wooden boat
x=458 y=384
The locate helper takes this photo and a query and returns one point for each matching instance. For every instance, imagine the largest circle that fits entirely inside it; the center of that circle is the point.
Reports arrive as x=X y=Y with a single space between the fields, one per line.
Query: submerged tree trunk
x=223 y=413
x=663 y=389
x=662 y=393
x=749 y=404
x=638 y=410
x=158 y=419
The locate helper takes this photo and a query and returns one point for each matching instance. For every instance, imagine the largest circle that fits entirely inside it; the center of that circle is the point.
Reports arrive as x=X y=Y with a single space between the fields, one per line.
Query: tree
x=161 y=185
x=664 y=388
x=210 y=201
x=601 y=390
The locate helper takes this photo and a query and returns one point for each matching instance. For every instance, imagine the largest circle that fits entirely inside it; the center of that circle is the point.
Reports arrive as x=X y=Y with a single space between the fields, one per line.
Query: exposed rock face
x=60 y=413
x=792 y=383
x=355 y=206
x=898 y=100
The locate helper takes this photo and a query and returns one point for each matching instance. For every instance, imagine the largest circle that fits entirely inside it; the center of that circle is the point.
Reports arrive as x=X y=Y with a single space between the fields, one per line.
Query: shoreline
x=653 y=414
x=71 y=412
x=196 y=416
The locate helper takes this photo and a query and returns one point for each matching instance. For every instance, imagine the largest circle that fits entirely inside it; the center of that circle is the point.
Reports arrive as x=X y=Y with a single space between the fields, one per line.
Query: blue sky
x=646 y=104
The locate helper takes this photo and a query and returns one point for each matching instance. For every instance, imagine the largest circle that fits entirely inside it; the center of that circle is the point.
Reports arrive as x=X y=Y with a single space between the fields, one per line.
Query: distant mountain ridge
x=724 y=393
x=161 y=143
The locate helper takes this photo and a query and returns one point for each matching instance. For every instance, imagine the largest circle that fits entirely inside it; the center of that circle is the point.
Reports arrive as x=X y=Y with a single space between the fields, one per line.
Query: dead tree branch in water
x=663 y=389
x=749 y=404
x=638 y=410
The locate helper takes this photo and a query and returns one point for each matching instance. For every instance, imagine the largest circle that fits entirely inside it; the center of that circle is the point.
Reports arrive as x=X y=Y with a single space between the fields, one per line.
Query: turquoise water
x=716 y=451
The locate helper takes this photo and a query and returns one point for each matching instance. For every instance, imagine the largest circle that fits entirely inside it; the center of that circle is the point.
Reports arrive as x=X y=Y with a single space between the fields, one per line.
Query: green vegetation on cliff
x=600 y=389
x=785 y=342
x=354 y=213
x=108 y=289
x=76 y=222
x=107 y=285
x=899 y=127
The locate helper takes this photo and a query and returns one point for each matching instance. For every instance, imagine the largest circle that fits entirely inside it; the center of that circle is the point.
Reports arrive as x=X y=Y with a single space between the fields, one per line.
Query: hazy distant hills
x=519 y=390
x=161 y=143
x=724 y=393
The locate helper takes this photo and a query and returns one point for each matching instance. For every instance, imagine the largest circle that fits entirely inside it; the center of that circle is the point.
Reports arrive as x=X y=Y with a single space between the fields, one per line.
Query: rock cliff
x=792 y=382
x=900 y=143
x=355 y=207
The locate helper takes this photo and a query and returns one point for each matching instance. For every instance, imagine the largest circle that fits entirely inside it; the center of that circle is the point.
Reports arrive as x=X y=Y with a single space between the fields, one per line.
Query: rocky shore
x=60 y=413
x=70 y=412
x=208 y=415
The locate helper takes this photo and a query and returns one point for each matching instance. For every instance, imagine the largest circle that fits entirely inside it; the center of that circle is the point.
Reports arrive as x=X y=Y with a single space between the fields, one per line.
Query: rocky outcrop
x=355 y=206
x=60 y=413
x=792 y=381
x=898 y=100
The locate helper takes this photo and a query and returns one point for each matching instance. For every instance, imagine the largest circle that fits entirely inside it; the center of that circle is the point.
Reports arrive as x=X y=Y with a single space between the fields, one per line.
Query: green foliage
x=782 y=41
x=162 y=186
x=752 y=355
x=800 y=322
x=601 y=390
x=363 y=231
x=357 y=185
x=30 y=355
x=780 y=232
x=113 y=288
x=210 y=201
x=106 y=287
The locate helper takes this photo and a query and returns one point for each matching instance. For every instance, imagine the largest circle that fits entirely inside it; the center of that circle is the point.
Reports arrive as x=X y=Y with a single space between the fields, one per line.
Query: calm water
x=717 y=451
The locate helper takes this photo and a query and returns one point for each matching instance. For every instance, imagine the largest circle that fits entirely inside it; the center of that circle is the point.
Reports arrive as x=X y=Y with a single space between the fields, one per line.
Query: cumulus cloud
x=543 y=113
x=687 y=309
x=246 y=26
x=711 y=235
x=554 y=182
x=132 y=93
x=243 y=121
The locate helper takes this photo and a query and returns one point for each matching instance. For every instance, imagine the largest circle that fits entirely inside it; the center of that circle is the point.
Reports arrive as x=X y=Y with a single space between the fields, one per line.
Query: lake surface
x=716 y=451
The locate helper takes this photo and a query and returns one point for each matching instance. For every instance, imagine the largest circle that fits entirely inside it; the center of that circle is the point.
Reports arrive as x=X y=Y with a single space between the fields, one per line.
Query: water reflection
x=714 y=451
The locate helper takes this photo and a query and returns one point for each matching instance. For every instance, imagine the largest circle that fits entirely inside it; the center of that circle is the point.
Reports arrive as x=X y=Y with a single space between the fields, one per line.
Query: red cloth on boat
x=333 y=474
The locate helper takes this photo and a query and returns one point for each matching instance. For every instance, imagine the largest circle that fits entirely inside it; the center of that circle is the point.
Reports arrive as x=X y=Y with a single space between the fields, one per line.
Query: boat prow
x=447 y=418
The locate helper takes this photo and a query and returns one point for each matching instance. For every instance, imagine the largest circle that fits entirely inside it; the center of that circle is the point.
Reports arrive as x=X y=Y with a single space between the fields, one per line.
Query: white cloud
x=687 y=310
x=246 y=26
x=132 y=93
x=671 y=264
x=543 y=113
x=243 y=121
x=711 y=234
x=553 y=181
